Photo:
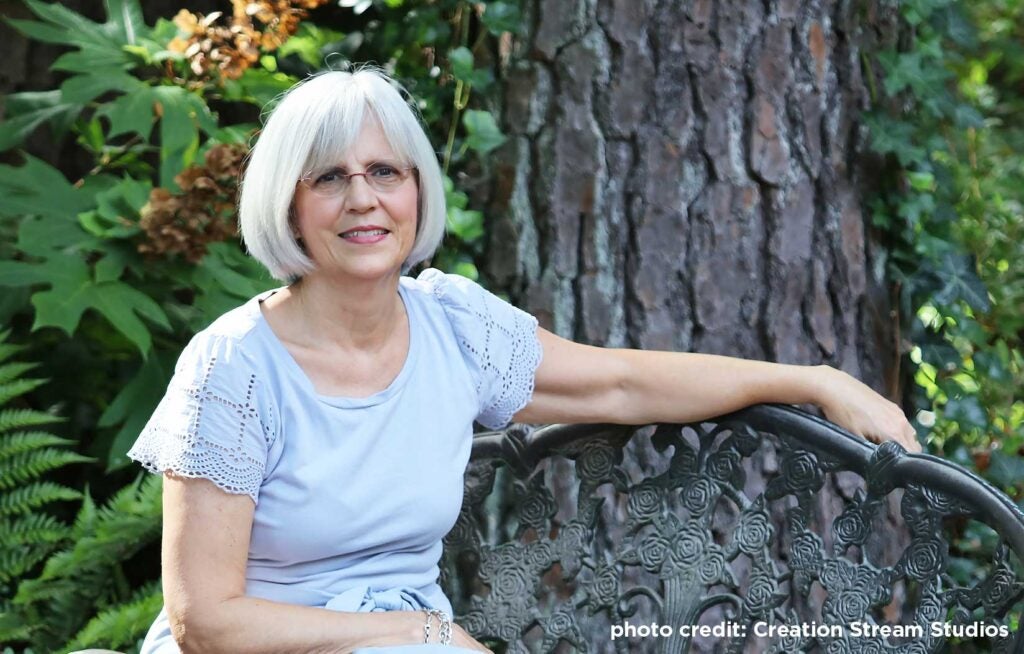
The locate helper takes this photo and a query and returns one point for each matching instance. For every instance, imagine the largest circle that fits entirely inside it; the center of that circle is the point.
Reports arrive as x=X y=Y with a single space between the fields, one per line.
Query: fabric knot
x=363 y=599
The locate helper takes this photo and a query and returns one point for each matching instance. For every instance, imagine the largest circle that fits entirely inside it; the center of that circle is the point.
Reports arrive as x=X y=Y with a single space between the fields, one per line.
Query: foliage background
x=111 y=262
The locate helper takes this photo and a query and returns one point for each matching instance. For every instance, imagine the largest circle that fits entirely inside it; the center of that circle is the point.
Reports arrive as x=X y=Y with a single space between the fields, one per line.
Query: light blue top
x=353 y=495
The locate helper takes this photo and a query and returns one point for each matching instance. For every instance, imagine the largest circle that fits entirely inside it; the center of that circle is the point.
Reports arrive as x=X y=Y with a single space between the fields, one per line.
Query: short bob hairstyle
x=314 y=123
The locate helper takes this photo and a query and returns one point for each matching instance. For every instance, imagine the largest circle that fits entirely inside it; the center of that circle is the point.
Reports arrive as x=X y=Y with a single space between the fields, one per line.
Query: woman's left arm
x=582 y=383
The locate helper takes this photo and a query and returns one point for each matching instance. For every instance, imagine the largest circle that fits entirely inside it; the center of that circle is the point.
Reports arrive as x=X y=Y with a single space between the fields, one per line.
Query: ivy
x=953 y=214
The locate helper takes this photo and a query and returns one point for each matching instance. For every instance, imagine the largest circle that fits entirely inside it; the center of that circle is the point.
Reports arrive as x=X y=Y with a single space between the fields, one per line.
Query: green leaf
x=502 y=17
x=83 y=88
x=39 y=31
x=961 y=282
x=135 y=403
x=78 y=28
x=966 y=411
x=183 y=115
x=38 y=188
x=27 y=111
x=94 y=60
x=127 y=16
x=129 y=113
x=1005 y=470
x=258 y=86
x=467 y=225
x=484 y=134
x=309 y=43
x=462 y=63
x=19 y=273
x=47 y=236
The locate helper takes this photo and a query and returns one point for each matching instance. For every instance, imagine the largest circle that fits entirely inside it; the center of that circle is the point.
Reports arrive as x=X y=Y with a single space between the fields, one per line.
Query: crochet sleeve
x=498 y=342
x=213 y=422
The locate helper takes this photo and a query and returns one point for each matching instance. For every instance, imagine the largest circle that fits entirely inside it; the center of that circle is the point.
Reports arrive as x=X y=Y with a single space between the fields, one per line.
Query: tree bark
x=694 y=176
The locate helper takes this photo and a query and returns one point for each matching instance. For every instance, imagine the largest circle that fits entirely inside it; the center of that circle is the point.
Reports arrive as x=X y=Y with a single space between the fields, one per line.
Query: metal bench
x=652 y=553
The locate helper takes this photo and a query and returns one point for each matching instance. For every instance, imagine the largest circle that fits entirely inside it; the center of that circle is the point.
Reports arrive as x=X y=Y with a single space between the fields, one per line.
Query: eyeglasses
x=382 y=177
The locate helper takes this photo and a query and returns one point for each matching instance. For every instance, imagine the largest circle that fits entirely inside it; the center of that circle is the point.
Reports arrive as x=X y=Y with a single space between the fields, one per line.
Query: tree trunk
x=693 y=176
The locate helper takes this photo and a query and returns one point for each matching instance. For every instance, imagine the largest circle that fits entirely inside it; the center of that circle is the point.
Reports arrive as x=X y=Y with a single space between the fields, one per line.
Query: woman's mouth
x=364 y=234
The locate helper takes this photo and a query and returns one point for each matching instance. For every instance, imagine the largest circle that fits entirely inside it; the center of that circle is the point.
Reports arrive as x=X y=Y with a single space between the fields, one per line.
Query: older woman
x=313 y=440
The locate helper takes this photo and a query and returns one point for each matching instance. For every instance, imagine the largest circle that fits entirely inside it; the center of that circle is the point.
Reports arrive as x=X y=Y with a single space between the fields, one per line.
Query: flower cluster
x=203 y=213
x=214 y=49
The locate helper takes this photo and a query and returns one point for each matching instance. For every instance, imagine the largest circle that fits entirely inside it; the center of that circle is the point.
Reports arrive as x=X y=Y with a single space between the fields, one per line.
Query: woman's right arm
x=205 y=548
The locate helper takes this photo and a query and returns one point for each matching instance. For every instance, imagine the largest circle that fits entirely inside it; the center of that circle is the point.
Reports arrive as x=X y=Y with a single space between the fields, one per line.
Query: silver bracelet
x=441 y=619
x=445 y=634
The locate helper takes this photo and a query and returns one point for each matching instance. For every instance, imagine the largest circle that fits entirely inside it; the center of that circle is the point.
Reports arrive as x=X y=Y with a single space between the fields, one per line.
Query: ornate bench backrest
x=686 y=540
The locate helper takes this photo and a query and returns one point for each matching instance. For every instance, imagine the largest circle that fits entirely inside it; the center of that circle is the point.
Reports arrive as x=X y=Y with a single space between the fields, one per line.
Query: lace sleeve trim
x=175 y=437
x=507 y=351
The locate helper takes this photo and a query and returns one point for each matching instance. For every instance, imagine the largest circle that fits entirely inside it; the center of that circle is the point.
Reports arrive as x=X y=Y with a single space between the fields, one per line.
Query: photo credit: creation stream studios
x=803 y=630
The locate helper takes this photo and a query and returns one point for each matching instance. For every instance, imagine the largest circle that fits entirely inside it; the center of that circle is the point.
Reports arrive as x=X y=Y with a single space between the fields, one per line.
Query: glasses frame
x=306 y=179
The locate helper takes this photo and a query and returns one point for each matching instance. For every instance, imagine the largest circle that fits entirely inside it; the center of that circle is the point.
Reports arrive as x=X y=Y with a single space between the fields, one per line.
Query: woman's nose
x=360 y=196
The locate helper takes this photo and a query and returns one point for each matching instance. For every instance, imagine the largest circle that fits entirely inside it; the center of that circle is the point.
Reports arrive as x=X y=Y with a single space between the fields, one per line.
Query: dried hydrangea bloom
x=204 y=212
x=218 y=51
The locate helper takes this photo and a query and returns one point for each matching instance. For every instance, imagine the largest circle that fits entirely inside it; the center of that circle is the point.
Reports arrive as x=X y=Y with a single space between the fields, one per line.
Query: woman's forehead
x=363 y=146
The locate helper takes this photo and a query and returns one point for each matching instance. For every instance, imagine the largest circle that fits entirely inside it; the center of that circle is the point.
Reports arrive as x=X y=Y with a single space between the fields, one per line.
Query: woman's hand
x=853 y=406
x=460 y=638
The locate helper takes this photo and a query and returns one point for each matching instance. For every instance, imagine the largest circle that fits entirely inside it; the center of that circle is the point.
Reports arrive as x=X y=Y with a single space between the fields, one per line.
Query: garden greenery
x=107 y=272
x=953 y=209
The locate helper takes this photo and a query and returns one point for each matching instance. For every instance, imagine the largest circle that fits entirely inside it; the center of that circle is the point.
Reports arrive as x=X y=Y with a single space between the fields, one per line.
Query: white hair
x=314 y=123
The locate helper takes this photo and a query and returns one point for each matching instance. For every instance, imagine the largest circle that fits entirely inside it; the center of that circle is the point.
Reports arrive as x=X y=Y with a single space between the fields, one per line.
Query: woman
x=313 y=440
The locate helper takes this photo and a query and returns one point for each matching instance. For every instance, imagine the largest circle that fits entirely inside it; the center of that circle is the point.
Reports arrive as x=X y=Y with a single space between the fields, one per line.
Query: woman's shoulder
x=229 y=338
x=452 y=292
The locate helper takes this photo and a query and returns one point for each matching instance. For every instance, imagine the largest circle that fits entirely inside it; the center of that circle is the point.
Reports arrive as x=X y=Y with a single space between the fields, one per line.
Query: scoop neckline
x=340 y=401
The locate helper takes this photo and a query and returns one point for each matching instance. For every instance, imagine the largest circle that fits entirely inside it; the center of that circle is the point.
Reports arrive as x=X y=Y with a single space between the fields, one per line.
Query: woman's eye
x=385 y=171
x=329 y=177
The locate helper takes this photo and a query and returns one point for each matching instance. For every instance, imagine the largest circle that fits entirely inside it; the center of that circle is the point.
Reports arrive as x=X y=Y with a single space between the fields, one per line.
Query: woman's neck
x=349 y=314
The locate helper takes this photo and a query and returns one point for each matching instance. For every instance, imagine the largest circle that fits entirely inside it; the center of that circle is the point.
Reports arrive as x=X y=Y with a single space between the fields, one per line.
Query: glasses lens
x=329 y=183
x=334 y=182
x=384 y=177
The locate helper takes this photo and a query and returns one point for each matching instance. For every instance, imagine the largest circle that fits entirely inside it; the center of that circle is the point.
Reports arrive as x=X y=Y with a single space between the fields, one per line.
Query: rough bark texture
x=692 y=176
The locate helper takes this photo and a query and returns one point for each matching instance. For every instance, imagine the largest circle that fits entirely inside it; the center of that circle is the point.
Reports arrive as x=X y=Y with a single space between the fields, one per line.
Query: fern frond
x=16 y=369
x=120 y=626
x=13 y=628
x=104 y=537
x=27 y=541
x=26 y=466
x=11 y=419
x=18 y=562
x=32 y=496
x=26 y=441
x=18 y=387
x=7 y=350
x=33 y=528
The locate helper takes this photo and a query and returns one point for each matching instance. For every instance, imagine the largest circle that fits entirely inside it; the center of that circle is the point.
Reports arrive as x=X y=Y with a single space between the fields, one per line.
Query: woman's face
x=361 y=233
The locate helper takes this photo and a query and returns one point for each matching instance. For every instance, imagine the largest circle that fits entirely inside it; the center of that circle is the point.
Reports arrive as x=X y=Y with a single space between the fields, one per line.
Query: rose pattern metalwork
x=646 y=501
x=596 y=461
x=668 y=537
x=539 y=555
x=699 y=495
x=802 y=472
x=723 y=465
x=604 y=589
x=537 y=508
x=850 y=528
x=806 y=552
x=688 y=547
x=754 y=532
x=653 y=551
x=712 y=565
x=924 y=559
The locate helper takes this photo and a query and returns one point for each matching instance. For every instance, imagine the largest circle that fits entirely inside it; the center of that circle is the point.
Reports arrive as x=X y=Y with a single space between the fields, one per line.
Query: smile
x=358 y=233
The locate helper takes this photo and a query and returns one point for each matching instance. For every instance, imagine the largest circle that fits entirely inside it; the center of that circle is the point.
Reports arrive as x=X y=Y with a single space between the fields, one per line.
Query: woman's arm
x=205 y=548
x=581 y=383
